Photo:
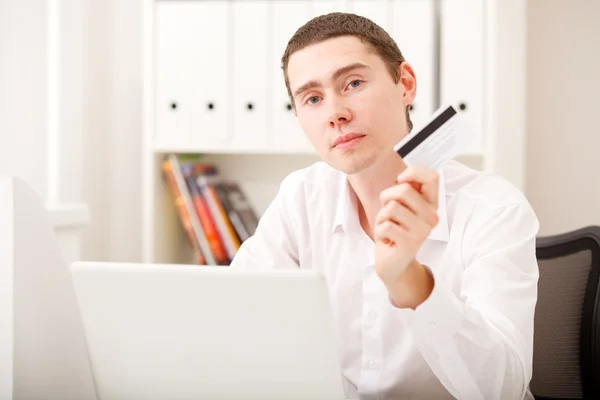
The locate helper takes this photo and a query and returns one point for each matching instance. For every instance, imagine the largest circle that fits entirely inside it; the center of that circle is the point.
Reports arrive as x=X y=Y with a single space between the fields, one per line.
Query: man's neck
x=368 y=185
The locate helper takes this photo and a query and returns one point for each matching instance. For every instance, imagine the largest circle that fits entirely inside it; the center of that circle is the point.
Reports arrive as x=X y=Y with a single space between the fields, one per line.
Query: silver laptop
x=157 y=331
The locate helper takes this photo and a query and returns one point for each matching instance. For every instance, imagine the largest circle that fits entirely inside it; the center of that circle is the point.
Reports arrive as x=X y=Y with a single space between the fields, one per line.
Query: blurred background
x=96 y=96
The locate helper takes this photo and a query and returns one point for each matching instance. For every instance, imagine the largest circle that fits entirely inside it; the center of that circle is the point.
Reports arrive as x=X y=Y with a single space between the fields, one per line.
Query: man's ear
x=408 y=80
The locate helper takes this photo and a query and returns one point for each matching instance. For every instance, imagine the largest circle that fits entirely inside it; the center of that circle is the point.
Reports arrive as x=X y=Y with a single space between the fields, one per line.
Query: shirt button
x=372 y=315
x=371 y=364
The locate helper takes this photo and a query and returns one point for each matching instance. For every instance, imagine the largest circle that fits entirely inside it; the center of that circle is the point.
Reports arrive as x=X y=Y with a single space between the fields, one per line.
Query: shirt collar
x=343 y=205
x=346 y=210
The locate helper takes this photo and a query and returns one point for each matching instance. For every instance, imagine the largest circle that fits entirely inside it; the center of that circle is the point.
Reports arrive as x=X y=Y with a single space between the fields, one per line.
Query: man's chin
x=351 y=164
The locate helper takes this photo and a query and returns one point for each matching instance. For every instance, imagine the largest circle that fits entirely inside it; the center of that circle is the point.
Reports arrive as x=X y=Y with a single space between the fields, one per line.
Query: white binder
x=462 y=54
x=286 y=18
x=250 y=74
x=412 y=28
x=377 y=11
x=193 y=73
x=321 y=7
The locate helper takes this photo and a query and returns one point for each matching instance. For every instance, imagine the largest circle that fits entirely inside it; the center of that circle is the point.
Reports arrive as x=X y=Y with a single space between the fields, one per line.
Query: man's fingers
x=422 y=179
x=396 y=213
x=392 y=234
x=406 y=195
x=419 y=174
x=389 y=232
x=406 y=219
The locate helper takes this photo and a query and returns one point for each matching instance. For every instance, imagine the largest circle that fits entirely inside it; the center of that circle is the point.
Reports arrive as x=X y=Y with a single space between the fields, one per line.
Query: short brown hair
x=338 y=24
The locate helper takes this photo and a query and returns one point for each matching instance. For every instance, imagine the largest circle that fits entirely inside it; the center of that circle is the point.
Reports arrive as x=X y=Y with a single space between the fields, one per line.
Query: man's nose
x=340 y=113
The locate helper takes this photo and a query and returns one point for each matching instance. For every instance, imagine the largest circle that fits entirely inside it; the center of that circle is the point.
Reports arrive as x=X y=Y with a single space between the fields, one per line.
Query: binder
x=462 y=52
x=193 y=74
x=413 y=30
x=322 y=7
x=250 y=74
x=376 y=10
x=286 y=18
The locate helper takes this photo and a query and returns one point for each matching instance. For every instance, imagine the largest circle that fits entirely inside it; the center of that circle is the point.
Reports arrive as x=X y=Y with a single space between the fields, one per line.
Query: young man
x=432 y=274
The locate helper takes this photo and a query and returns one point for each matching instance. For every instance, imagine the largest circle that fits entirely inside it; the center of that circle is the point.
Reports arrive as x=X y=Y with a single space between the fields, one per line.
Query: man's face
x=347 y=102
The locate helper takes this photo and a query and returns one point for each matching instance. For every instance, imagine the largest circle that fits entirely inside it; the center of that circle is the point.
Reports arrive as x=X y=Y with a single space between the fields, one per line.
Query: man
x=432 y=274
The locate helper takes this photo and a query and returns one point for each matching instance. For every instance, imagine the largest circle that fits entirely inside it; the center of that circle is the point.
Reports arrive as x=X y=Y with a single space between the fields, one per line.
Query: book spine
x=208 y=225
x=235 y=219
x=226 y=231
x=240 y=203
x=182 y=210
x=187 y=199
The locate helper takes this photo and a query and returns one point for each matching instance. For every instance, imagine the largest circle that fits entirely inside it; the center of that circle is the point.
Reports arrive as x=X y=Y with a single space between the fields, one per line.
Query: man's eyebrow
x=341 y=71
x=337 y=73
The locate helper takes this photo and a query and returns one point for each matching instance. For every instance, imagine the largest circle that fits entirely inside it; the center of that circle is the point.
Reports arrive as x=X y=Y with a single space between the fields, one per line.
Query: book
x=182 y=210
x=215 y=213
x=205 y=217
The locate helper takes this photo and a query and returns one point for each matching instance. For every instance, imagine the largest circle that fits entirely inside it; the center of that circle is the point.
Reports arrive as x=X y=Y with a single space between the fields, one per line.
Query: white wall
x=563 y=101
x=23 y=92
x=112 y=121
x=41 y=67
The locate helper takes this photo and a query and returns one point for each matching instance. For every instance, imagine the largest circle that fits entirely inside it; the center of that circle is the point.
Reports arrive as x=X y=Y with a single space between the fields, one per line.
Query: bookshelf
x=212 y=86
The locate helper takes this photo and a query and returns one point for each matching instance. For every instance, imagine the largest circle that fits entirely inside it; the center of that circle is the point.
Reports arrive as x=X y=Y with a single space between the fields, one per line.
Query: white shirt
x=471 y=339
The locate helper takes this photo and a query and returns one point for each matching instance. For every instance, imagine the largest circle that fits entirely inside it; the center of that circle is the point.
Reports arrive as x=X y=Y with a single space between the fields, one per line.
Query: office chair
x=566 y=355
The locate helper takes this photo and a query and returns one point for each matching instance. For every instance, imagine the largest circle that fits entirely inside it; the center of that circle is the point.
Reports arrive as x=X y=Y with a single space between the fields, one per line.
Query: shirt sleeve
x=480 y=344
x=273 y=244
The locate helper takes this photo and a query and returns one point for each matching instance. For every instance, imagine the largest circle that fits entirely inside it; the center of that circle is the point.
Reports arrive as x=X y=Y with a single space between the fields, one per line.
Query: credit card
x=440 y=140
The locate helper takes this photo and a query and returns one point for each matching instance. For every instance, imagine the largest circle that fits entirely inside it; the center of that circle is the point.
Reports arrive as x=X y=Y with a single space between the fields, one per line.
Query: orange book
x=208 y=224
x=231 y=241
x=182 y=211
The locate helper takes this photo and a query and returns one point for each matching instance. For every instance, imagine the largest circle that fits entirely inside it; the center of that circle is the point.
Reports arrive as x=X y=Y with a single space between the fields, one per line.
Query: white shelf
x=224 y=149
x=263 y=151
x=65 y=215
x=194 y=150
x=258 y=147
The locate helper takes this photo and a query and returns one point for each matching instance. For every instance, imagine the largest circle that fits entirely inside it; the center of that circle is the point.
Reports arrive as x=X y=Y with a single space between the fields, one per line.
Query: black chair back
x=566 y=356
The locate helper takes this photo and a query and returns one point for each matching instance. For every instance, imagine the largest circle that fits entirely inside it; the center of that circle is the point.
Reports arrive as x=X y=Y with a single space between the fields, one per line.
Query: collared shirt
x=471 y=339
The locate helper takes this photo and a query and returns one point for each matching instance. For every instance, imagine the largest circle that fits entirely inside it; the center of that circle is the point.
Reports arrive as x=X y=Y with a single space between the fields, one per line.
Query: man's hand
x=407 y=217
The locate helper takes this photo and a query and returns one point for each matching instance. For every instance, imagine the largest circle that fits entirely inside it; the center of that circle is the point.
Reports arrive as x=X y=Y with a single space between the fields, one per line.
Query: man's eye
x=355 y=83
x=313 y=99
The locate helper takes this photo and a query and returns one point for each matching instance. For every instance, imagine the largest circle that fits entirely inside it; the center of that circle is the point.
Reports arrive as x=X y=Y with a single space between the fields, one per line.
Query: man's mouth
x=347 y=140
